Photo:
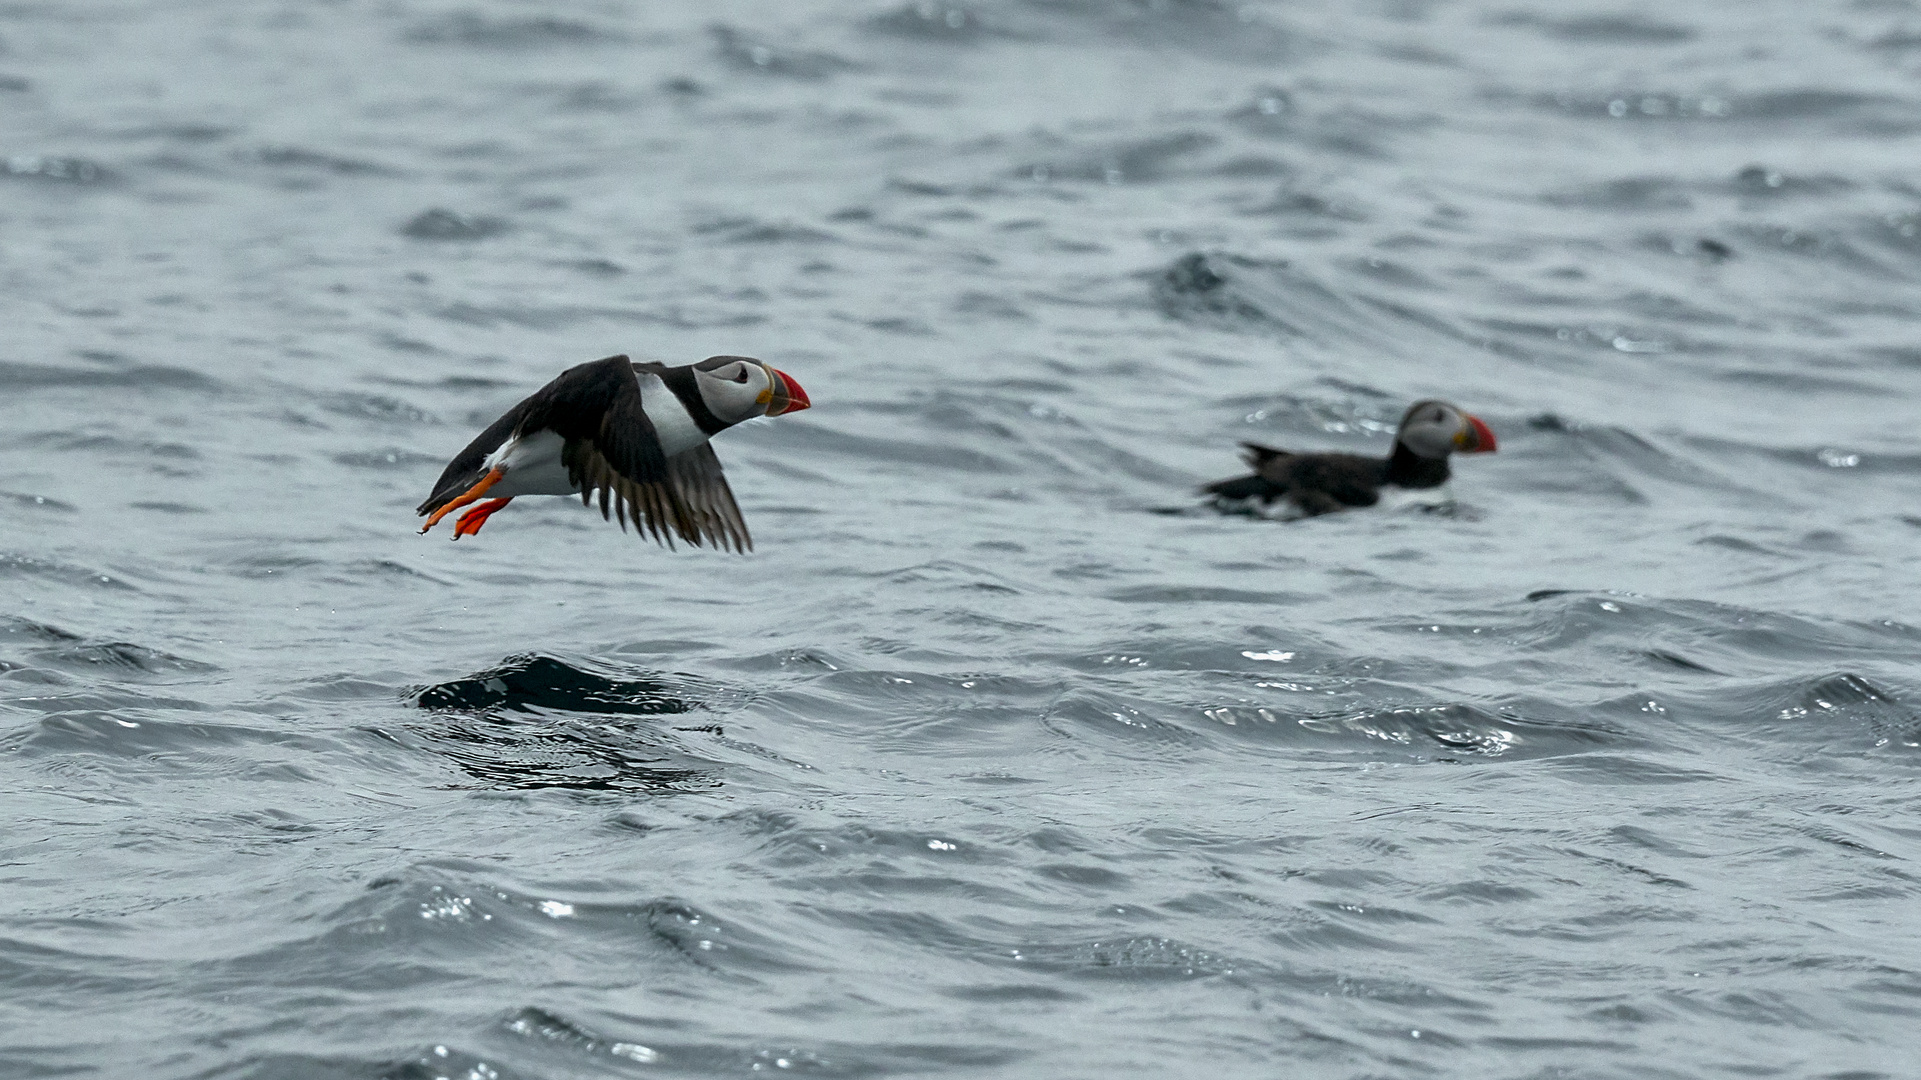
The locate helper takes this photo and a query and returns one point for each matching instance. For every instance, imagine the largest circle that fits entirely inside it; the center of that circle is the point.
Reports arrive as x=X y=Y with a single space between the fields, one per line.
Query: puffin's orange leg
x=471 y=521
x=472 y=494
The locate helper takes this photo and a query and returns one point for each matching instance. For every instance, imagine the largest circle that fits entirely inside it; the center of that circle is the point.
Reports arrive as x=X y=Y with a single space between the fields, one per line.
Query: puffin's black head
x=1435 y=429
x=737 y=388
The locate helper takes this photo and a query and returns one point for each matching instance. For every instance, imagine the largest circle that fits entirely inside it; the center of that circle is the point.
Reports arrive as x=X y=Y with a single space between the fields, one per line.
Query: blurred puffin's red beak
x=787 y=394
x=1477 y=439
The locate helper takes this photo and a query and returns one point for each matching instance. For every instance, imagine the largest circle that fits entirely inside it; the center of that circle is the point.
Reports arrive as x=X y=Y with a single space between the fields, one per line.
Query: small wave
x=36 y=502
x=441 y=224
x=748 y=53
x=301 y=158
x=128 y=376
x=747 y=230
x=1608 y=29
x=495 y=32
x=1138 y=161
x=533 y=681
x=20 y=564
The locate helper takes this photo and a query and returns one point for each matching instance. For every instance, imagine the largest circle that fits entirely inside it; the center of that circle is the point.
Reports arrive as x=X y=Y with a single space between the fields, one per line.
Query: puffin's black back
x=598 y=402
x=1323 y=483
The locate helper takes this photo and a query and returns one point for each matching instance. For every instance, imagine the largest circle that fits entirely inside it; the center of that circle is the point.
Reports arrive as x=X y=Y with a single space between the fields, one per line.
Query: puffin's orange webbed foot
x=472 y=494
x=471 y=521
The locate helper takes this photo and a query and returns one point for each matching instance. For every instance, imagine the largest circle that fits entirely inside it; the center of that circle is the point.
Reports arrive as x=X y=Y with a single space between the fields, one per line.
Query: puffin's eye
x=740 y=374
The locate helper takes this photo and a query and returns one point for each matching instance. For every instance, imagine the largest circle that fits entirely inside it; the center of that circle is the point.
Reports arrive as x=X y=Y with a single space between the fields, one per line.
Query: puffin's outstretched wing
x=597 y=404
x=700 y=486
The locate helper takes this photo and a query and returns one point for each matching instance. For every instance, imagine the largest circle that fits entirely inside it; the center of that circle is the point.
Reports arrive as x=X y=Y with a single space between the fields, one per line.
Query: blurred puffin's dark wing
x=1348 y=479
x=698 y=484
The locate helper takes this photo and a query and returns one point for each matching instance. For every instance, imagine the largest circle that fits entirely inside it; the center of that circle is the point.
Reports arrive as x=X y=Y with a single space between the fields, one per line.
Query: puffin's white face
x=1435 y=429
x=738 y=388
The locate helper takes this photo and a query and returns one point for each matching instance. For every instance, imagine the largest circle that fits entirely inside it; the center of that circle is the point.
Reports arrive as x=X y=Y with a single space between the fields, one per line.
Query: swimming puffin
x=1323 y=483
x=636 y=433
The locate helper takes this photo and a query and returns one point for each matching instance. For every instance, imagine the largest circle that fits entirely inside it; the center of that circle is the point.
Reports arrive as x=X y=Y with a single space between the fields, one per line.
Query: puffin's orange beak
x=1477 y=439
x=786 y=395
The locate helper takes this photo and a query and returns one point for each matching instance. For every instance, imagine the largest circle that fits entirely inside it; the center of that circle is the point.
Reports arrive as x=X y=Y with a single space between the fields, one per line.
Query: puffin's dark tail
x=1257 y=455
x=1243 y=487
x=1250 y=487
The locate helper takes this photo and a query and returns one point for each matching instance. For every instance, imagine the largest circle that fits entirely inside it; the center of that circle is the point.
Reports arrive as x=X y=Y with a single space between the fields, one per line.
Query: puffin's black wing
x=597 y=402
x=700 y=486
x=1322 y=482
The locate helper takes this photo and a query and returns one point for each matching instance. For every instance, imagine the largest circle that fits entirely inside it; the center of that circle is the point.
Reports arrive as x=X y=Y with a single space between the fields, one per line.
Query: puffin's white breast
x=533 y=467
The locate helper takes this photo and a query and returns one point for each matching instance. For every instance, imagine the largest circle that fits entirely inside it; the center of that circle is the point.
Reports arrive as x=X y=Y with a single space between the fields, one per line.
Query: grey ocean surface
x=1001 y=756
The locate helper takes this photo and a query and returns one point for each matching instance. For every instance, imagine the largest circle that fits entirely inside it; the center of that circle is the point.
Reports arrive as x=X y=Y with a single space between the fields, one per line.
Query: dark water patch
x=123 y=656
x=1202 y=594
x=1609 y=770
x=442 y=224
x=128 y=376
x=745 y=230
x=1637 y=194
x=1198 y=284
x=36 y=502
x=152 y=731
x=1214 y=29
x=476 y=30
x=1621 y=29
x=54 y=169
x=19 y=564
x=745 y=52
x=295 y=157
x=601 y=268
x=533 y=682
x=160 y=456
x=1139 y=161
x=15 y=628
x=1760 y=180
x=14 y=84
x=1880 y=112
x=359 y=572
x=951 y=24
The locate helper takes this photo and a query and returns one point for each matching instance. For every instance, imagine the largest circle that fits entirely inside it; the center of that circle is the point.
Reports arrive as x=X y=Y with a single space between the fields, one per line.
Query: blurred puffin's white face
x=735 y=388
x=1433 y=429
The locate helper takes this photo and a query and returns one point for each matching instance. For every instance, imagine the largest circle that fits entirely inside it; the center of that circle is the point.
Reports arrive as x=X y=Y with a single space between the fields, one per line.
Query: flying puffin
x=636 y=433
x=1323 y=483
